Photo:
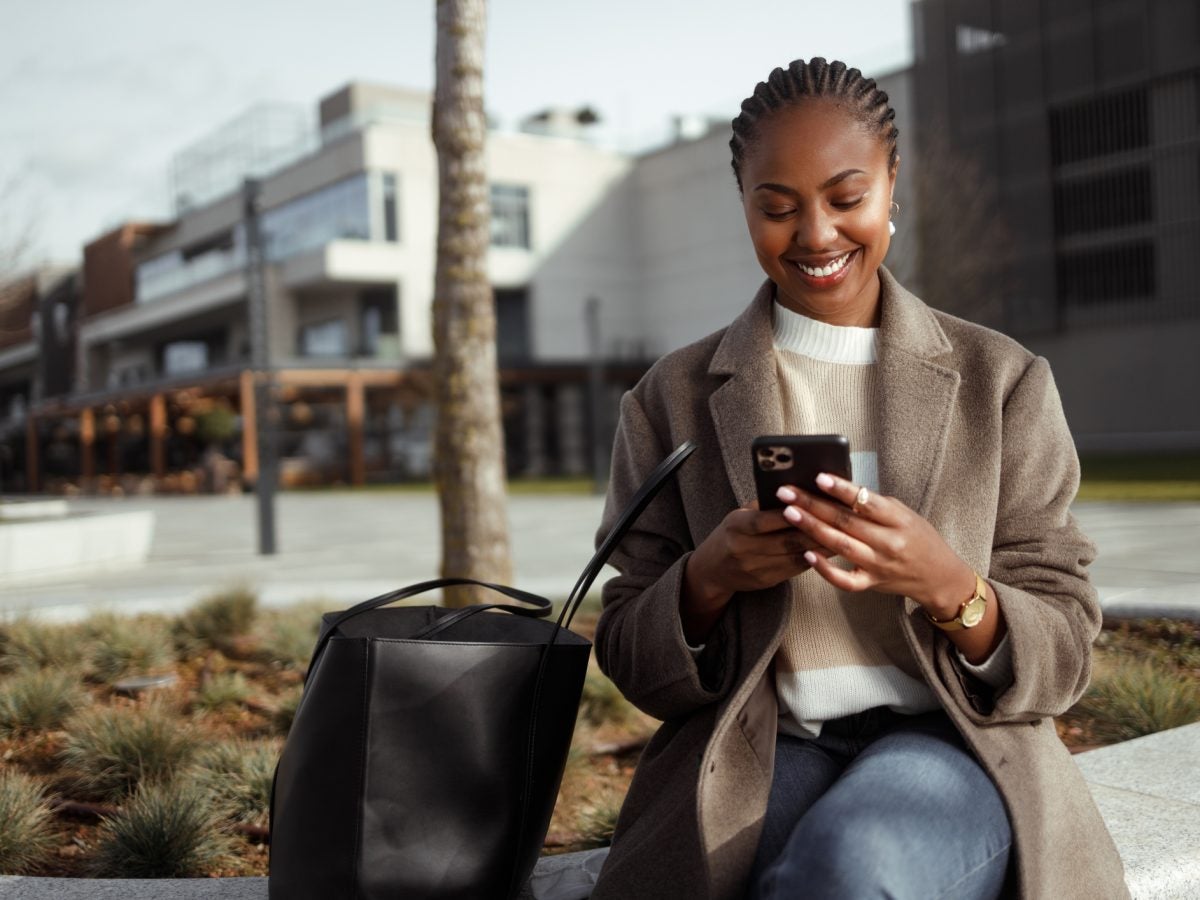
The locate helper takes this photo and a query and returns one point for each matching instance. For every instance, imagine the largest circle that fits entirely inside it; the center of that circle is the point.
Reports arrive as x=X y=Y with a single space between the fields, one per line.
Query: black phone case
x=796 y=459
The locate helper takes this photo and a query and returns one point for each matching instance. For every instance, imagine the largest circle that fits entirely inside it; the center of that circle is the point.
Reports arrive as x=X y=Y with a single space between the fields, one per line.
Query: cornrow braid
x=801 y=80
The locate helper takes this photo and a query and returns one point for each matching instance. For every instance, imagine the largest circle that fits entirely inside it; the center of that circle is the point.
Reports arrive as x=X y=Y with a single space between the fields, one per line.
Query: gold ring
x=861 y=500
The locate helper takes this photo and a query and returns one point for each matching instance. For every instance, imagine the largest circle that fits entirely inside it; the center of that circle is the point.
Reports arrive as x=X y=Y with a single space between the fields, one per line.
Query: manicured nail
x=810 y=557
x=786 y=494
x=824 y=481
x=792 y=515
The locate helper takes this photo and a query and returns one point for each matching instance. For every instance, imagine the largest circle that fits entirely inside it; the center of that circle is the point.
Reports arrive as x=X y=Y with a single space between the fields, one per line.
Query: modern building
x=650 y=249
x=1079 y=121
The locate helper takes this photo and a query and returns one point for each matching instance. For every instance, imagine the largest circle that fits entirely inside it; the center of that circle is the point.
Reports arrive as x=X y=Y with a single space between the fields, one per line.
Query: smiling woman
x=848 y=684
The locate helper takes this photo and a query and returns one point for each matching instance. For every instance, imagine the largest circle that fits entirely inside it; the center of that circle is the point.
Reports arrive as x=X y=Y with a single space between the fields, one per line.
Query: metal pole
x=264 y=406
x=596 y=396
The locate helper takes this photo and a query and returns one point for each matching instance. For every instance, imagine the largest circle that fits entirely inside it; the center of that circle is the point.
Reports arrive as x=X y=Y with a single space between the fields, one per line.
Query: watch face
x=972 y=615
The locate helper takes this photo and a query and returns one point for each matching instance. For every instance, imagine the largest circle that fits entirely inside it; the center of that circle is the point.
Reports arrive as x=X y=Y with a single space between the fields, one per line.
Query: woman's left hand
x=893 y=550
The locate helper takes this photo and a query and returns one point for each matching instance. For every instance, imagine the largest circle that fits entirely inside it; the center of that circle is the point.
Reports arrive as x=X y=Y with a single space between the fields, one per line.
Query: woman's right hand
x=750 y=550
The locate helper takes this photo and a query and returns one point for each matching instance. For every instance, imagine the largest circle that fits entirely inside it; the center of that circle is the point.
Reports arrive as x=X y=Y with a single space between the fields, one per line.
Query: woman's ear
x=892 y=173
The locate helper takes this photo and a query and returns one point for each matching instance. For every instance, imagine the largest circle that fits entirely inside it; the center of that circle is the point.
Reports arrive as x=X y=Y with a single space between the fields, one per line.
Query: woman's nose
x=815 y=230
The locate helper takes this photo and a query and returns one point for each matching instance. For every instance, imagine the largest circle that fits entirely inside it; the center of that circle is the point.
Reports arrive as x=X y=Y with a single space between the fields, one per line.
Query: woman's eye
x=777 y=213
x=847 y=204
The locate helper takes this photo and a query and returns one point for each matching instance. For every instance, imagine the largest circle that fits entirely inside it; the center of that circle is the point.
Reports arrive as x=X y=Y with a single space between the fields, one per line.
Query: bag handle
x=647 y=492
x=541 y=607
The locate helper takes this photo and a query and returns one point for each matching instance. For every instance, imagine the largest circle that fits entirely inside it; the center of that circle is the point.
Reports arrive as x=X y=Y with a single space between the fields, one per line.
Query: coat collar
x=917 y=393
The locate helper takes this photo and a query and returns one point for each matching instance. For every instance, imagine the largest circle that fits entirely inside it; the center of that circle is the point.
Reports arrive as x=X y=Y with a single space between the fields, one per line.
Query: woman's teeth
x=824 y=271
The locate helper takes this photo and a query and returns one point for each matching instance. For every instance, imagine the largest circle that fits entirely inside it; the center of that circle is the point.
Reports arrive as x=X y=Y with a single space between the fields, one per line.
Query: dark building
x=1076 y=126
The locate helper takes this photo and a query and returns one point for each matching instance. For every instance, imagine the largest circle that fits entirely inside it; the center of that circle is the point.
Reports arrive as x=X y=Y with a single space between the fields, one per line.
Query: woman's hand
x=894 y=551
x=750 y=550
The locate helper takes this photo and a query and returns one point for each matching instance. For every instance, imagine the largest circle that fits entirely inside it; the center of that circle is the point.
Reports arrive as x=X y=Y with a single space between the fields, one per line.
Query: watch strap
x=957 y=623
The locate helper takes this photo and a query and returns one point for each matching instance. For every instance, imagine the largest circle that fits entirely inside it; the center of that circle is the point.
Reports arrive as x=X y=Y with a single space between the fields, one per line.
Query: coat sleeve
x=639 y=639
x=1038 y=564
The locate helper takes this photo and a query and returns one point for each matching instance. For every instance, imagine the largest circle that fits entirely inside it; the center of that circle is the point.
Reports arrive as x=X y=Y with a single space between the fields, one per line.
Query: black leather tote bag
x=428 y=747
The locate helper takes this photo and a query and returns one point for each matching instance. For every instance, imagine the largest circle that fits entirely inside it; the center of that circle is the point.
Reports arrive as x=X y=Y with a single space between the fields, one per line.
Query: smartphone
x=796 y=459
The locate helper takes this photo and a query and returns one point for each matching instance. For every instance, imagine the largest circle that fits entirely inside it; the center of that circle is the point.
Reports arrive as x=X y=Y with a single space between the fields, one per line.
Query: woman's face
x=816 y=193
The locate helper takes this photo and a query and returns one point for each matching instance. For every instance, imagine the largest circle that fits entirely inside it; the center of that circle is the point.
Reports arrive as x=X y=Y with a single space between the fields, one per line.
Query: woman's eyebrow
x=784 y=189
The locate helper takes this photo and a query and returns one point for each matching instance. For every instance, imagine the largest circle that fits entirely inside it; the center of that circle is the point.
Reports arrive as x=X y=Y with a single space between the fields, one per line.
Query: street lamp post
x=596 y=395
x=266 y=413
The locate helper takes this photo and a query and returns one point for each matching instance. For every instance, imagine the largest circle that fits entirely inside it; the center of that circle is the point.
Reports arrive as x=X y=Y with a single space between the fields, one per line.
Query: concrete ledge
x=17 y=510
x=83 y=544
x=1148 y=790
x=566 y=877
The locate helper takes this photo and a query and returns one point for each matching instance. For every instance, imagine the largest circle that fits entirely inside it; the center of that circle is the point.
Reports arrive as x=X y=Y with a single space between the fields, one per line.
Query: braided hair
x=832 y=81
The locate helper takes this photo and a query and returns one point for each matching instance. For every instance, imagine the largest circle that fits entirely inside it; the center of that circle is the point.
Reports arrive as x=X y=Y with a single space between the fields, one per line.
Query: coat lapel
x=917 y=397
x=748 y=404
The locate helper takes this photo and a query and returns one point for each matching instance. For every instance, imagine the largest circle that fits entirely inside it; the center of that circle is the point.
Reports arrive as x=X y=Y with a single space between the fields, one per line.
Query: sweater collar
x=817 y=340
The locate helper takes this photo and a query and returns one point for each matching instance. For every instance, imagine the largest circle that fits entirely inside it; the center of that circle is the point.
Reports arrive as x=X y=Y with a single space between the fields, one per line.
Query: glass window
x=510 y=216
x=325 y=339
x=1099 y=127
x=341 y=210
x=391 y=222
x=1112 y=200
x=182 y=357
x=1107 y=274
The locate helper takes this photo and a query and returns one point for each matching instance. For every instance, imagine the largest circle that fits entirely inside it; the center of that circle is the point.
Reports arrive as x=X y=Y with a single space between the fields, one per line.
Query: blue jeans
x=881 y=805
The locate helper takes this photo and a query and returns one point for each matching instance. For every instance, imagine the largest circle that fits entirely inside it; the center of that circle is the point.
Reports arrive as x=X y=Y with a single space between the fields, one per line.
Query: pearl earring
x=891 y=227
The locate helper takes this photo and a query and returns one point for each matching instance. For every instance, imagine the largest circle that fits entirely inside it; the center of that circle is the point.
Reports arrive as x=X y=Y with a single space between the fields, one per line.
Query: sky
x=96 y=98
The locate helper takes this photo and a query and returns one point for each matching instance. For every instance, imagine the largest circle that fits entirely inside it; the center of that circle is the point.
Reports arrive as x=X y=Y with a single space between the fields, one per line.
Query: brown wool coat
x=973 y=438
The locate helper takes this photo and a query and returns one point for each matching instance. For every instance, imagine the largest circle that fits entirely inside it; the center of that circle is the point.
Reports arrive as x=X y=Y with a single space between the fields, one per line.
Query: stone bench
x=1148 y=790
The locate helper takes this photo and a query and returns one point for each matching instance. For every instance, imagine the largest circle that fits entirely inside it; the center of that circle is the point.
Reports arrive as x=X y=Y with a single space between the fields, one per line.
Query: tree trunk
x=469 y=452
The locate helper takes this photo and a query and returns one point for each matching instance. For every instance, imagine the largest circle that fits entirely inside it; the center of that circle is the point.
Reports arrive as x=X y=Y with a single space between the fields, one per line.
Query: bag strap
x=647 y=492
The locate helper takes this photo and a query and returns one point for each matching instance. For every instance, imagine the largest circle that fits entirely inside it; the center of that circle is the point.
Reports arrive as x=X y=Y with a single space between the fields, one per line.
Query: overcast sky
x=96 y=98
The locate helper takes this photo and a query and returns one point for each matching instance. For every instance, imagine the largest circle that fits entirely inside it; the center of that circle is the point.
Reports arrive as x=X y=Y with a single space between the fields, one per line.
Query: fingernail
x=792 y=514
x=824 y=481
x=786 y=494
x=810 y=557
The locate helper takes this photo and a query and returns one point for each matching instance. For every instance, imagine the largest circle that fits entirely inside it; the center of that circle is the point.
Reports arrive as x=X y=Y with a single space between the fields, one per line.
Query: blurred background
x=1049 y=187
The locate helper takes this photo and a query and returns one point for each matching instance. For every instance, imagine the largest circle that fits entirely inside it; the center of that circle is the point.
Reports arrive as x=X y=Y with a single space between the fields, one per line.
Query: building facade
x=1080 y=120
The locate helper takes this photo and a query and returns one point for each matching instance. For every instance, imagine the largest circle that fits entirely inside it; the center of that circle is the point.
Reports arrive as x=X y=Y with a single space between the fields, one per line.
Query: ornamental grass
x=38 y=700
x=169 y=829
x=238 y=775
x=121 y=646
x=27 y=645
x=26 y=833
x=1132 y=697
x=110 y=751
x=217 y=621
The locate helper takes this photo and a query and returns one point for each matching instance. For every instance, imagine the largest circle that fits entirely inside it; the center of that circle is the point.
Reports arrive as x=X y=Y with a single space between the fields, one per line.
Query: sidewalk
x=344 y=547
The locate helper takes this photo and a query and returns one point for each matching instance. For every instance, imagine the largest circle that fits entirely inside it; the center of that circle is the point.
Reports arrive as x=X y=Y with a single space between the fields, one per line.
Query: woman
x=849 y=709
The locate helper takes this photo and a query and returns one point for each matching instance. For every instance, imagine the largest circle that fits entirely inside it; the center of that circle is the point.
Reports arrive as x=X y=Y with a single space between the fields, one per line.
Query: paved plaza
x=344 y=546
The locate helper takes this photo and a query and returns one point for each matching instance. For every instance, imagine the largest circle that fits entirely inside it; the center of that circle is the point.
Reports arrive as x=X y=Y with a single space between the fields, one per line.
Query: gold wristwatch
x=970 y=613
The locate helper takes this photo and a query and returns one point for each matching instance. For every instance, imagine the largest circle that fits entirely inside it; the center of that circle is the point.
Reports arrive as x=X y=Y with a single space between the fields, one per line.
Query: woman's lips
x=816 y=275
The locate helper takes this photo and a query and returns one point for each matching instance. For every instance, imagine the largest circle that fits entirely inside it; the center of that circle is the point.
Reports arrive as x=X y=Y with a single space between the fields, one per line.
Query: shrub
x=238 y=774
x=38 y=701
x=168 y=830
x=127 y=646
x=602 y=701
x=110 y=751
x=217 y=620
x=26 y=645
x=1137 y=697
x=26 y=838
x=221 y=690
